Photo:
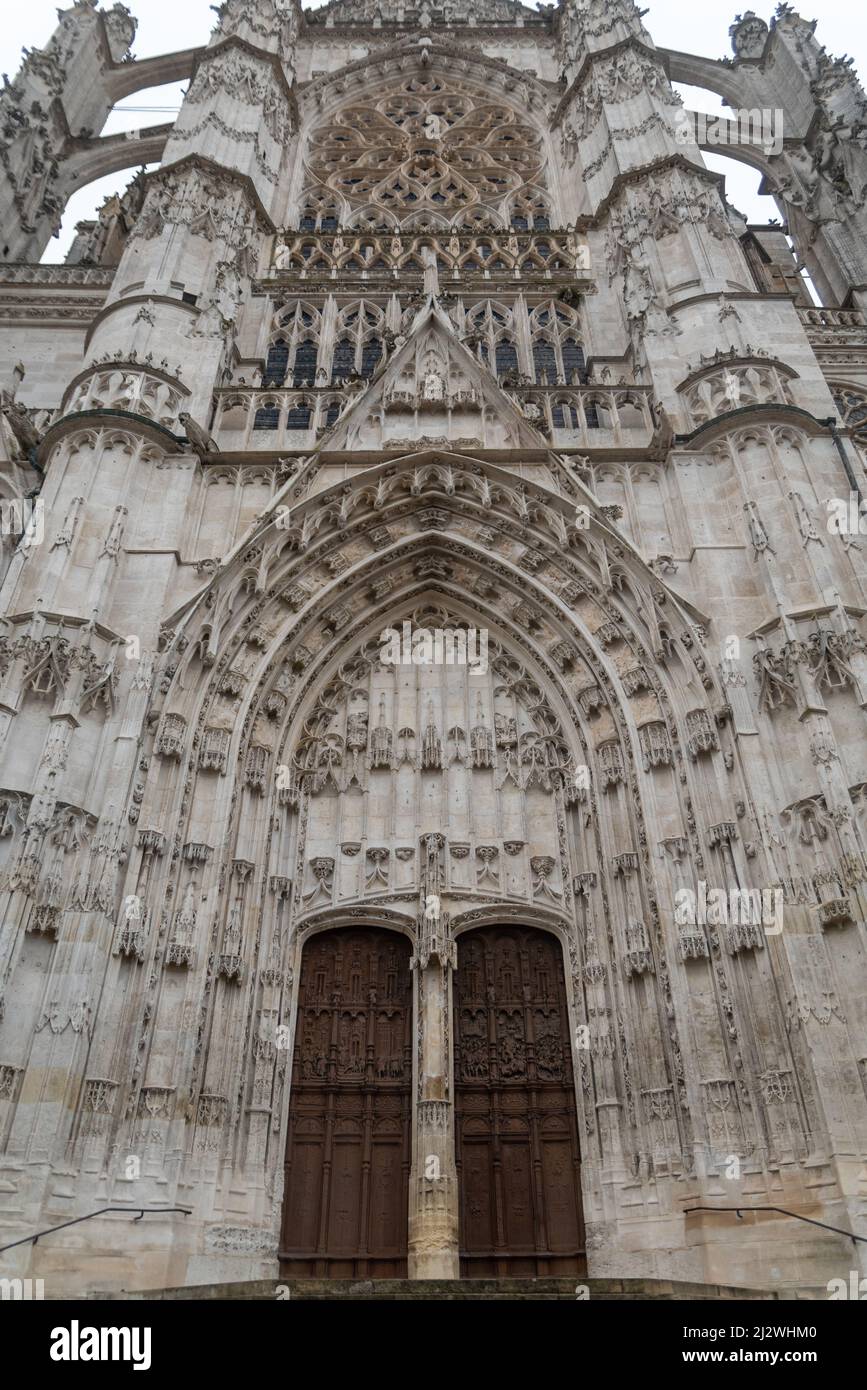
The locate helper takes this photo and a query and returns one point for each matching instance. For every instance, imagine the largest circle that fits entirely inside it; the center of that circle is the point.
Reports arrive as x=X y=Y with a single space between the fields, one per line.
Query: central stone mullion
x=433 y=1193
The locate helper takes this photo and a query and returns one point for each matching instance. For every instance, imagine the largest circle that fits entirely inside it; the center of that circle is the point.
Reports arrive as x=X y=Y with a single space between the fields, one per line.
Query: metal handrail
x=782 y=1212
x=187 y=1211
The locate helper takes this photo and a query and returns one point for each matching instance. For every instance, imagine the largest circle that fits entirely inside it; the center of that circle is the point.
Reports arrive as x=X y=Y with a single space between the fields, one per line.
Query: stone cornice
x=107 y=309
x=763 y=413
x=810 y=612
x=126 y=364
x=71 y=622
x=82 y=420
x=740 y=359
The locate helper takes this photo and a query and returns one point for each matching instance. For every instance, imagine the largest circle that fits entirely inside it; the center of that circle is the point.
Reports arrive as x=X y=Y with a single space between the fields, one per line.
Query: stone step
x=369 y=1290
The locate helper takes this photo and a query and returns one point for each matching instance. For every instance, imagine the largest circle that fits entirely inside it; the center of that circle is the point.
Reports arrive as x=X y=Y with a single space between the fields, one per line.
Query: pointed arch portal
x=456 y=1149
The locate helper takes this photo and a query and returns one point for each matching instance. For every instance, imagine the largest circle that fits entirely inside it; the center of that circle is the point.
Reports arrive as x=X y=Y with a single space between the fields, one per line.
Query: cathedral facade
x=433 y=809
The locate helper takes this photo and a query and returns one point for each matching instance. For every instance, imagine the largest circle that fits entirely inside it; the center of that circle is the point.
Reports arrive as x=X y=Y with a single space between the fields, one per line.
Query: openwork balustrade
x=569 y=416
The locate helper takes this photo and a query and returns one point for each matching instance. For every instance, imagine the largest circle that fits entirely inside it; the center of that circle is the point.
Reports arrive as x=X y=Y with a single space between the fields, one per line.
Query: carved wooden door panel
x=516 y=1130
x=348 y=1156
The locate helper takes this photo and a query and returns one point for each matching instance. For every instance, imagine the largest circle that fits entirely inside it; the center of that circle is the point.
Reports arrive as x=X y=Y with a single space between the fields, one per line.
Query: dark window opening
x=267 y=418
x=370 y=355
x=305 y=364
x=277 y=363
x=506 y=359
x=298 y=417
x=545 y=360
x=344 y=360
x=573 y=358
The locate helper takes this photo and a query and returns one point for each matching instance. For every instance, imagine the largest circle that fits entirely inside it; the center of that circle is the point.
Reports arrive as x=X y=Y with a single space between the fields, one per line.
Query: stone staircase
x=414 y=1290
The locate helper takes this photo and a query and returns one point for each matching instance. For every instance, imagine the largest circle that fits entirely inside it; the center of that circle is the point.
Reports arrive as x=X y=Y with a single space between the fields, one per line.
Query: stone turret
x=58 y=97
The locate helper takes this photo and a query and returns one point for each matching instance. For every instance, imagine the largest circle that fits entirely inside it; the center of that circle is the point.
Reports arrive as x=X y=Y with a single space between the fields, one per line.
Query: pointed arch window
x=277 y=363
x=359 y=340
x=370 y=355
x=298 y=416
x=267 y=417
x=492 y=326
x=293 y=351
x=506 y=358
x=852 y=407
x=530 y=212
x=573 y=357
x=304 y=372
x=343 y=364
x=545 y=363
x=319 y=215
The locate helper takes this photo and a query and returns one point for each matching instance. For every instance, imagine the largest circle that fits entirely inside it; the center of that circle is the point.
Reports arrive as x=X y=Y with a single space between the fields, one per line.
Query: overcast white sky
x=698 y=26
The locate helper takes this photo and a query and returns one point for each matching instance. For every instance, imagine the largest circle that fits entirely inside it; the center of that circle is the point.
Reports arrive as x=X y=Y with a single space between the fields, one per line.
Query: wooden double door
x=350 y=1144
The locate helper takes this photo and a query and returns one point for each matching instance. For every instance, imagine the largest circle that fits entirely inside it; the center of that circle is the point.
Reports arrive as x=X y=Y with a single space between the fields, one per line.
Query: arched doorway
x=516 y=1131
x=349 y=1148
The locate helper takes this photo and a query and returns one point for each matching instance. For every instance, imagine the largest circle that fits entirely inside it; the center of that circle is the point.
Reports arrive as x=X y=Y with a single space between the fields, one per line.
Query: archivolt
x=586 y=581
x=583 y=621
x=608 y=662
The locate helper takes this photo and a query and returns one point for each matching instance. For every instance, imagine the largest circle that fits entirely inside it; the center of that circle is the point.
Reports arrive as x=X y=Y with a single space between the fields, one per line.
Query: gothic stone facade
x=433 y=316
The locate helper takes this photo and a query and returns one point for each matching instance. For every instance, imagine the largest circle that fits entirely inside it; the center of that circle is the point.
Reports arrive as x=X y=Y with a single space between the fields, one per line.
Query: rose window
x=422 y=148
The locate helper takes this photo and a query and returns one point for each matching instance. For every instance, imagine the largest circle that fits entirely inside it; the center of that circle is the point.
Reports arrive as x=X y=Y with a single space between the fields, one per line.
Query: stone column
x=433 y=1192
